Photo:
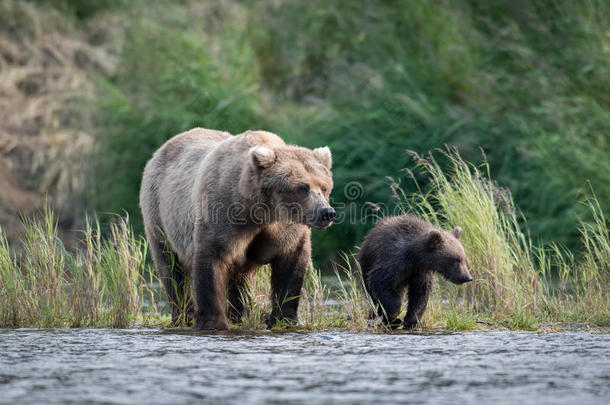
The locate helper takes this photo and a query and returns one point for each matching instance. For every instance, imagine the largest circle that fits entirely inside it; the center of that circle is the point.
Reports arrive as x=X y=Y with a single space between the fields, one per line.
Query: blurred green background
x=526 y=81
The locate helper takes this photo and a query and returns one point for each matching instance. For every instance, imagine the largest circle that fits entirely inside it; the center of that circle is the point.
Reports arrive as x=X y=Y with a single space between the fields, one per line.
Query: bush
x=371 y=80
x=508 y=78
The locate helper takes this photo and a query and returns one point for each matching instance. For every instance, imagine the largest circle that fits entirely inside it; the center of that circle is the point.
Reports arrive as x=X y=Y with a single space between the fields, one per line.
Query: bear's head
x=445 y=254
x=293 y=182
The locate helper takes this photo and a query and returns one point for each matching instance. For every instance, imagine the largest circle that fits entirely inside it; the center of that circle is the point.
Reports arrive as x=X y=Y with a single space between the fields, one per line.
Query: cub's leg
x=418 y=294
x=287 y=273
x=386 y=299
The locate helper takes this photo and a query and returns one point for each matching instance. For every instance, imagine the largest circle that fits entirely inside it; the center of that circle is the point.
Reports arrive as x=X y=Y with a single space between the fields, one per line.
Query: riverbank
x=518 y=284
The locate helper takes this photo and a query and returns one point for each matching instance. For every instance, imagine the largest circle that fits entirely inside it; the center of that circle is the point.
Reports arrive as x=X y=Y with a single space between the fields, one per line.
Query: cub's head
x=445 y=254
x=294 y=183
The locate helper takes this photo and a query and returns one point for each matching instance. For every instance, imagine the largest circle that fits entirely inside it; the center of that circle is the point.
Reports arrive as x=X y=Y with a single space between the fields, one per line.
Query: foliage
x=371 y=80
x=526 y=81
x=103 y=285
x=168 y=82
x=514 y=278
x=47 y=286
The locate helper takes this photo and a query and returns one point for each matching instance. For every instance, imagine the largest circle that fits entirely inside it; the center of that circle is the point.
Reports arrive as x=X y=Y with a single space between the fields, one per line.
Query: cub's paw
x=395 y=324
x=272 y=321
x=391 y=324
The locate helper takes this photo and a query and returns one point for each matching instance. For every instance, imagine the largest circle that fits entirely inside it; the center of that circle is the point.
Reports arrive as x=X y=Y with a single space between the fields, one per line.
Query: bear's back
x=167 y=182
x=405 y=226
x=389 y=237
x=188 y=146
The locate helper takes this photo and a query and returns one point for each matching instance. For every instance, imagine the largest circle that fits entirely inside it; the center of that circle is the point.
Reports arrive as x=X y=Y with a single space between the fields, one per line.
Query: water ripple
x=160 y=366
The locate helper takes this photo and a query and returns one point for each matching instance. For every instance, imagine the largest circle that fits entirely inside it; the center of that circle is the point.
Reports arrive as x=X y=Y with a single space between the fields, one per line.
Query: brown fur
x=222 y=206
x=400 y=255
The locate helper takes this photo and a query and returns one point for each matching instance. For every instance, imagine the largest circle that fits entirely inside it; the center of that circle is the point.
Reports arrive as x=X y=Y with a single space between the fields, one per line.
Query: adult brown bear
x=221 y=206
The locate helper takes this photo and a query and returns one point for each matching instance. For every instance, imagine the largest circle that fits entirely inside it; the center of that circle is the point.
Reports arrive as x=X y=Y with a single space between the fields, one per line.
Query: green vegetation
x=528 y=82
x=460 y=321
x=514 y=278
x=91 y=88
x=106 y=283
x=100 y=285
x=522 y=320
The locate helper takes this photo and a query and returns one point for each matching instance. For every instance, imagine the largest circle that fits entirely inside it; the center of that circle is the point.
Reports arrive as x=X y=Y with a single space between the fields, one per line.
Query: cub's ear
x=262 y=157
x=323 y=155
x=434 y=239
x=457 y=232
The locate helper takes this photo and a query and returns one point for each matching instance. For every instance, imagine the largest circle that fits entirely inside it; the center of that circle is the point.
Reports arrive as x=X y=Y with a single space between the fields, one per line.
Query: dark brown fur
x=400 y=255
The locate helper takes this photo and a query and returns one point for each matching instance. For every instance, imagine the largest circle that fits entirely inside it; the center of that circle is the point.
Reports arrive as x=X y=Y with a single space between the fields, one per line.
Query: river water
x=157 y=366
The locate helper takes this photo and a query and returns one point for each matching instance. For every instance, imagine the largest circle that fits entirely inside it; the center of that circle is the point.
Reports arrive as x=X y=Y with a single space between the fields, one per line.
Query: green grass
x=522 y=320
x=515 y=280
x=101 y=285
x=460 y=321
x=369 y=80
x=517 y=283
x=528 y=82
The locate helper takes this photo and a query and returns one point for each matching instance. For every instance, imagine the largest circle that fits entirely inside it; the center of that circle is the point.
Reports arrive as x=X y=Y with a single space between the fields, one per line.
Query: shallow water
x=155 y=366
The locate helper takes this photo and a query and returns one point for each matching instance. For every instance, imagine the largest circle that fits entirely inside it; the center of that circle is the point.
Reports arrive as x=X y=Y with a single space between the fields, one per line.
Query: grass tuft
x=522 y=320
x=460 y=321
x=99 y=285
x=515 y=280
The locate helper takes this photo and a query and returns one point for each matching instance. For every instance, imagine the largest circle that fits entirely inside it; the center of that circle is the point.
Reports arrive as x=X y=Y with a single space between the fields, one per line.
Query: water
x=155 y=366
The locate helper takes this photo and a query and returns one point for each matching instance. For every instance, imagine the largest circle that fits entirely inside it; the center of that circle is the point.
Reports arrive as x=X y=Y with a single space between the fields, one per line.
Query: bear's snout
x=459 y=275
x=328 y=214
x=463 y=275
x=321 y=218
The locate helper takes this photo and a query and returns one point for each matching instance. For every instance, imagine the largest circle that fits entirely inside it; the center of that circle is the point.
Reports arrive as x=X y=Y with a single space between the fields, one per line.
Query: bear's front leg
x=419 y=291
x=209 y=285
x=287 y=273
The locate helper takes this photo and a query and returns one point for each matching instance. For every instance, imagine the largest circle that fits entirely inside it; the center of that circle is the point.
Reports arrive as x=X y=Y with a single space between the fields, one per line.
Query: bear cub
x=400 y=254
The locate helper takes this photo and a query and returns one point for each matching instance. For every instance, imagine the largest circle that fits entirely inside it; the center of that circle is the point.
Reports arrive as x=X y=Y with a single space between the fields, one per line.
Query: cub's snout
x=465 y=279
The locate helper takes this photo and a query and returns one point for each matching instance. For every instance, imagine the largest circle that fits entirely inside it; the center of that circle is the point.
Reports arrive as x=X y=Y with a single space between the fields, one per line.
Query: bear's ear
x=434 y=239
x=262 y=157
x=457 y=231
x=323 y=155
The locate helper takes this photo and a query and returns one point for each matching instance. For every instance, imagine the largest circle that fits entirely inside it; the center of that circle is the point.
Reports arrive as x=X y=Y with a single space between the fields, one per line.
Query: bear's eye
x=303 y=189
